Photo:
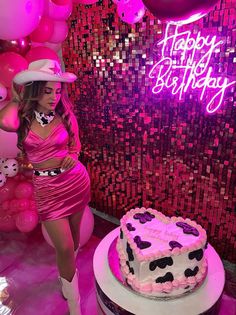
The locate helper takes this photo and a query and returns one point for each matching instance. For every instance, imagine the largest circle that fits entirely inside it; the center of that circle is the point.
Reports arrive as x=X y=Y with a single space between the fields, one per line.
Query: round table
x=115 y=298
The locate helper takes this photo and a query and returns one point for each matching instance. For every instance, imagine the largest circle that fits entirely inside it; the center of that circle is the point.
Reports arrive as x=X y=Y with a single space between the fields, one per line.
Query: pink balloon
x=10 y=64
x=23 y=204
x=7 y=223
x=60 y=32
x=179 y=11
x=19 y=18
x=26 y=221
x=8 y=144
x=8 y=190
x=86 y=228
x=85 y=1
x=57 y=12
x=44 y=30
x=24 y=190
x=5 y=205
x=13 y=206
x=41 y=52
x=131 y=12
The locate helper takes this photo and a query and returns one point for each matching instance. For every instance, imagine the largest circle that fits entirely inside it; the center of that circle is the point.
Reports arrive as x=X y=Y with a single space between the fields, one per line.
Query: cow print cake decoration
x=161 y=256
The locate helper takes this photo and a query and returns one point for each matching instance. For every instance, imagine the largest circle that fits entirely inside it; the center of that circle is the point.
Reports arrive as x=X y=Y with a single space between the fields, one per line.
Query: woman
x=48 y=136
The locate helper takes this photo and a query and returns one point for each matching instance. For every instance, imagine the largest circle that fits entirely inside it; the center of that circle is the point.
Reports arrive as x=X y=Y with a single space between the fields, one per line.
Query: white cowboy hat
x=44 y=70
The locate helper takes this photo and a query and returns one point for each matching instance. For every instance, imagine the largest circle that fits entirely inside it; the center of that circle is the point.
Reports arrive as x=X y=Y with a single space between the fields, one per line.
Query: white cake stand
x=115 y=298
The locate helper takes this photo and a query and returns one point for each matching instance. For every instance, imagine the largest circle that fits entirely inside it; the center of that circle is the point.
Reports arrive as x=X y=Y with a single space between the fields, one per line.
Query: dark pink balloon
x=7 y=223
x=14 y=206
x=23 y=204
x=44 y=30
x=183 y=11
x=27 y=173
x=5 y=205
x=26 y=221
x=10 y=64
x=8 y=190
x=24 y=190
x=20 y=46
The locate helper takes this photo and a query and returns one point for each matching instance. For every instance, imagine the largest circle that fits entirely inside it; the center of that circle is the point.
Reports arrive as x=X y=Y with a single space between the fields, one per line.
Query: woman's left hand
x=68 y=162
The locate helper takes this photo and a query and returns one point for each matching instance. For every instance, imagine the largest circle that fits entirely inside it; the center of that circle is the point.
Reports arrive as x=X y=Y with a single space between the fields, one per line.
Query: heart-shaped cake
x=161 y=256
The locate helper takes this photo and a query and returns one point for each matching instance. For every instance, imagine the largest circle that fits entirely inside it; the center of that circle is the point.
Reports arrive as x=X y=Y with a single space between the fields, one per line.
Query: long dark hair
x=31 y=94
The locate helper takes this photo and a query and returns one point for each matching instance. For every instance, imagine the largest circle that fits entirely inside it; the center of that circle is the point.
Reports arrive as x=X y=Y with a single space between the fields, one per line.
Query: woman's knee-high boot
x=70 y=291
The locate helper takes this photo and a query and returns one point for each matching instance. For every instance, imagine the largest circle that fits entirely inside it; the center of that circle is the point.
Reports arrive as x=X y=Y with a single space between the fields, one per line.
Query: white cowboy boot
x=70 y=291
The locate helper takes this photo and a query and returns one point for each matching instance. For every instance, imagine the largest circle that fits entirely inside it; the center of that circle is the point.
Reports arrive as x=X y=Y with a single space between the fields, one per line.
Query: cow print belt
x=52 y=172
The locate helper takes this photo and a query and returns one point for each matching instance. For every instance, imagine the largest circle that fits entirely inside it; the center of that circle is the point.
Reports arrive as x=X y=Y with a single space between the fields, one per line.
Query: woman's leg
x=60 y=233
x=74 y=221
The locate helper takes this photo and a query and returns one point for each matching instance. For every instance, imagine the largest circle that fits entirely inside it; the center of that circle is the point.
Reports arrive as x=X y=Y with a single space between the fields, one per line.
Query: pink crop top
x=39 y=149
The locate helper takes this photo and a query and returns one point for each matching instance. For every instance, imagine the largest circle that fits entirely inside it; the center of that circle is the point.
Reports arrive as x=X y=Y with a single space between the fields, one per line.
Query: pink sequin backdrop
x=152 y=150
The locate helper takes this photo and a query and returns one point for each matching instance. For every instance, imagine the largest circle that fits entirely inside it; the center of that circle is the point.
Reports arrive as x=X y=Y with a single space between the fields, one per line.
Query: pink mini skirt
x=62 y=195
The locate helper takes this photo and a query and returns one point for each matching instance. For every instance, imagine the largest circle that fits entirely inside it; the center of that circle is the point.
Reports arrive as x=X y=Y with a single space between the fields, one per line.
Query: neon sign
x=178 y=69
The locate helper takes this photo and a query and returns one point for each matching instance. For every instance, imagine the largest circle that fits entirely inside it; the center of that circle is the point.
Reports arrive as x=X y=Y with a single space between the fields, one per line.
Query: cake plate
x=113 y=261
x=114 y=298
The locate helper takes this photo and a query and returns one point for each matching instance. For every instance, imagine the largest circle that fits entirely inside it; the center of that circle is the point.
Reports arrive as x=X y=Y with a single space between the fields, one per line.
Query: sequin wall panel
x=154 y=150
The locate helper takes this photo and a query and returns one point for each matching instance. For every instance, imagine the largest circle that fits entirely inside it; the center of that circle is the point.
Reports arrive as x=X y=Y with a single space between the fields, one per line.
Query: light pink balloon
x=60 y=32
x=24 y=190
x=57 y=12
x=6 y=205
x=8 y=144
x=26 y=221
x=18 y=18
x=44 y=30
x=8 y=141
x=86 y=228
x=41 y=52
x=10 y=64
x=131 y=12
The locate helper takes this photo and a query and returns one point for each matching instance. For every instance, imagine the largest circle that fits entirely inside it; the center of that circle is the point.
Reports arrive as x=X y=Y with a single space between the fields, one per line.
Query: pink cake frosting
x=161 y=256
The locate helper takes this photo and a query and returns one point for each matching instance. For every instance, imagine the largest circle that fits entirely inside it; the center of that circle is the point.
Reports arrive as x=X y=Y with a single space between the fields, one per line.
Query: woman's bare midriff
x=48 y=164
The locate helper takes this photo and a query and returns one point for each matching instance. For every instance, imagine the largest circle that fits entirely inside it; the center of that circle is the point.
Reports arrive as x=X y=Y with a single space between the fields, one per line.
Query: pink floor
x=28 y=276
